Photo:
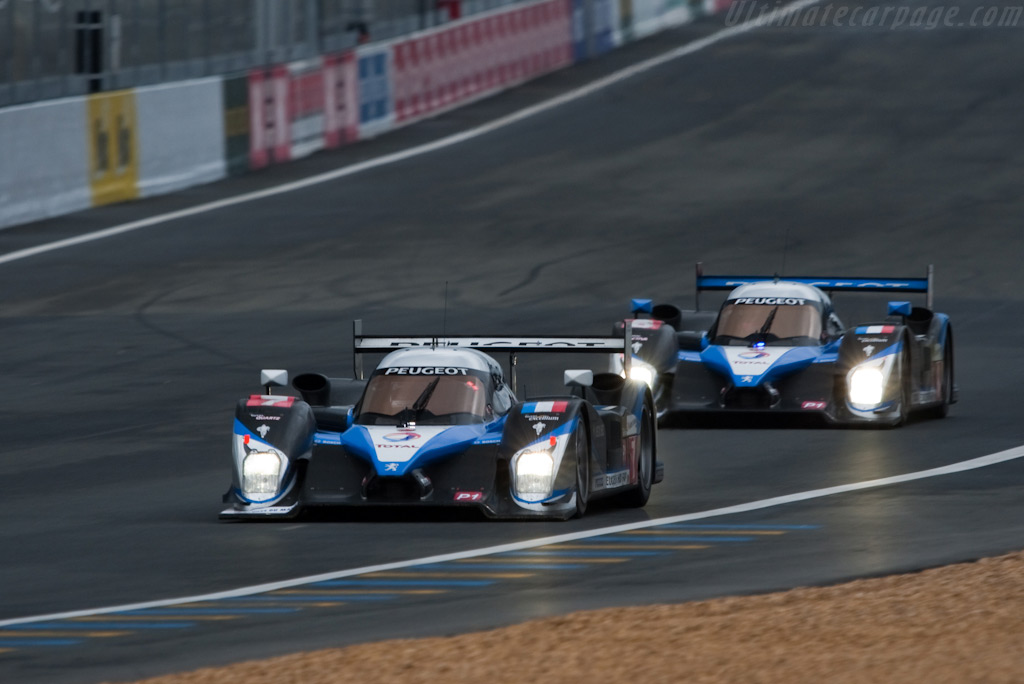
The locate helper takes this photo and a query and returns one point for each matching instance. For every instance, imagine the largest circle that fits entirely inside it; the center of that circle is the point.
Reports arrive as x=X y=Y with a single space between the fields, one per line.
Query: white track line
x=972 y=464
x=395 y=157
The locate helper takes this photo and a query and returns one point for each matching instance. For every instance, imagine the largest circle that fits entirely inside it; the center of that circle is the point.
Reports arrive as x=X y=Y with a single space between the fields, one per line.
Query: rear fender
x=943 y=339
x=934 y=335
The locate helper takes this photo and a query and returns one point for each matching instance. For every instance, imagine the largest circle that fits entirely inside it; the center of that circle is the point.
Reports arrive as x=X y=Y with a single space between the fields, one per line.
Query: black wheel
x=637 y=498
x=662 y=393
x=946 y=386
x=582 y=447
x=658 y=389
x=903 y=404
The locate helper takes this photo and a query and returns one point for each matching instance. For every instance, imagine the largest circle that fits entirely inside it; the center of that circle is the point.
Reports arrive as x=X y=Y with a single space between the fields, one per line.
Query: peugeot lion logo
x=401 y=436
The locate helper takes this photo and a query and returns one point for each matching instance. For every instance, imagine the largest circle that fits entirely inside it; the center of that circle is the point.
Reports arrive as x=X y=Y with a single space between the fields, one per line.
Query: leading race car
x=438 y=424
x=777 y=346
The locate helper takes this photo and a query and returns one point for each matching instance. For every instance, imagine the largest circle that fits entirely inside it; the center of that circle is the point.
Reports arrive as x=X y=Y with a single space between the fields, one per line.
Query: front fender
x=867 y=342
x=654 y=342
x=543 y=425
x=272 y=424
x=881 y=347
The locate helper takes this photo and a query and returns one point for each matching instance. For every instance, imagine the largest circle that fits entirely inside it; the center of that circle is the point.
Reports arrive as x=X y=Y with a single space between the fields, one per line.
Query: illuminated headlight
x=534 y=472
x=866 y=382
x=866 y=386
x=640 y=372
x=261 y=472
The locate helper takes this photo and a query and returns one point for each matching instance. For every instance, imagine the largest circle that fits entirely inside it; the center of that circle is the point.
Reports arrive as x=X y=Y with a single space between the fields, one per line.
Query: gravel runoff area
x=959 y=624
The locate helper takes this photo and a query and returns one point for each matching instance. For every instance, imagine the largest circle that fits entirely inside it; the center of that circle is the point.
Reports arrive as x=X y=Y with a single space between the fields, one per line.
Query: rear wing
x=914 y=285
x=366 y=344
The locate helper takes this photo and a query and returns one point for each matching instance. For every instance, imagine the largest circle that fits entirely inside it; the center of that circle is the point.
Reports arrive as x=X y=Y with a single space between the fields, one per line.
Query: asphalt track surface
x=812 y=150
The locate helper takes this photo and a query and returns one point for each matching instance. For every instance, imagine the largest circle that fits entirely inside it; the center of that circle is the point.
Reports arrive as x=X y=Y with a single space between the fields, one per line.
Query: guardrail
x=68 y=154
x=59 y=48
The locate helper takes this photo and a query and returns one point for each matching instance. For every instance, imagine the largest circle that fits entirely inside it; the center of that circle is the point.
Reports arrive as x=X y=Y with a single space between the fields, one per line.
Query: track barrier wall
x=463 y=61
x=61 y=156
x=176 y=148
x=44 y=160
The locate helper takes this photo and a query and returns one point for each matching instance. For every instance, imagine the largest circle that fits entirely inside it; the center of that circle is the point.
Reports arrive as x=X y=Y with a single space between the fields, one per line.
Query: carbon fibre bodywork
x=545 y=457
x=870 y=374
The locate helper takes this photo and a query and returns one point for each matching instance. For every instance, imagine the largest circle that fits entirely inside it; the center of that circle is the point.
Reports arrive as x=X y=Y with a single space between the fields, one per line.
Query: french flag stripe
x=281 y=400
x=545 y=407
x=875 y=329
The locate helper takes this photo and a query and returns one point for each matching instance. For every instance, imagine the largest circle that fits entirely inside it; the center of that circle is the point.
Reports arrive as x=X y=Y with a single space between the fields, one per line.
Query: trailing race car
x=777 y=346
x=438 y=424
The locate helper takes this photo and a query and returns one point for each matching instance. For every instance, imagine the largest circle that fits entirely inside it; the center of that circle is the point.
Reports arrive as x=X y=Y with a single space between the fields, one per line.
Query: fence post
x=312 y=28
x=262 y=31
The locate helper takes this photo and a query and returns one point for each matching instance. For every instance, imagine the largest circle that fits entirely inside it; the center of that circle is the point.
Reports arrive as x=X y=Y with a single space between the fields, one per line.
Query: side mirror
x=579 y=378
x=899 y=308
x=639 y=306
x=273 y=378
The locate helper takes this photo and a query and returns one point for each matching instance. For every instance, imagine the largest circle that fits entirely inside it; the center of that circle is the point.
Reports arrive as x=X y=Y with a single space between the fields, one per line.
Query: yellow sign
x=626 y=19
x=113 y=147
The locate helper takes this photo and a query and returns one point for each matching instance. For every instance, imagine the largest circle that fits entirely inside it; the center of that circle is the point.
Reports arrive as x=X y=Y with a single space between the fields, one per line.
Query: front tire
x=582 y=447
x=946 y=388
x=638 y=497
x=903 y=407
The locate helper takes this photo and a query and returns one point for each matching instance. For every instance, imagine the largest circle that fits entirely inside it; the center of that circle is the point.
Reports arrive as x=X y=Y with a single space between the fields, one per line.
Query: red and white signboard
x=341 y=95
x=437 y=70
x=716 y=6
x=306 y=95
x=299 y=108
x=269 y=134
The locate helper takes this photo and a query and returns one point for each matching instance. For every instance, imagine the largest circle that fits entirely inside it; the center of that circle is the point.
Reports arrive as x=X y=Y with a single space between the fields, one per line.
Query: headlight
x=638 y=371
x=866 y=382
x=641 y=372
x=867 y=386
x=534 y=472
x=261 y=472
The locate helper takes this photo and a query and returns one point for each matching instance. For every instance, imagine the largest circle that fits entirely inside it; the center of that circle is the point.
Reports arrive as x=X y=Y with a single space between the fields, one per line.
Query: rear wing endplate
x=913 y=285
x=366 y=344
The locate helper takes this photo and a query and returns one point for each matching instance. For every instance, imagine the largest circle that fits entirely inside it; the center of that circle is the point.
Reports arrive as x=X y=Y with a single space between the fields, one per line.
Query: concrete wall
x=65 y=155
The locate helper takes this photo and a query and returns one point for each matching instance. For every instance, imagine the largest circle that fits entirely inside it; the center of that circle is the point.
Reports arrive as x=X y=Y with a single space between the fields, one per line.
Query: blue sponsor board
x=376 y=109
x=593 y=26
x=604 y=26
x=579 y=31
x=868 y=284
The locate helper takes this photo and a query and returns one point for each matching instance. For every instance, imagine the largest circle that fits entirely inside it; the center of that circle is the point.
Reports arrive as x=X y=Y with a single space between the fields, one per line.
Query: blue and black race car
x=777 y=346
x=438 y=424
